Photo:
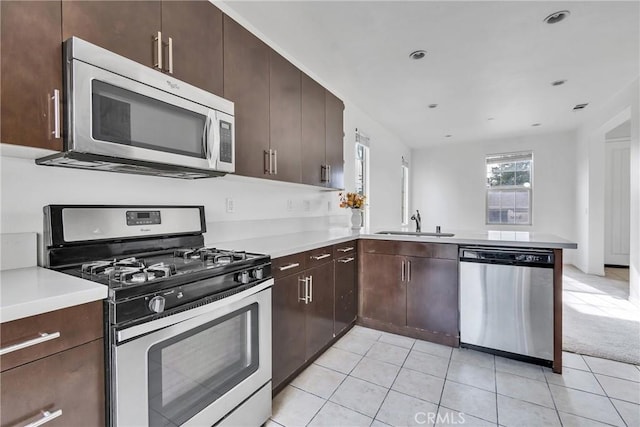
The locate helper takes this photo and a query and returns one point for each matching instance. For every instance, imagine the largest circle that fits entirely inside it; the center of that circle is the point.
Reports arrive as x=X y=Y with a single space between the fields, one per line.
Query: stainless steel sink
x=415 y=233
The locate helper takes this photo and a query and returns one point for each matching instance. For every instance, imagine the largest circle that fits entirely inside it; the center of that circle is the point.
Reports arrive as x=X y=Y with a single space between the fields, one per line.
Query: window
x=362 y=172
x=509 y=188
x=405 y=192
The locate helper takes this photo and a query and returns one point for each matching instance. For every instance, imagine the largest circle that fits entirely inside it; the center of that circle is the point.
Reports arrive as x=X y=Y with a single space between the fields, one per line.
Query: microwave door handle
x=205 y=139
x=214 y=138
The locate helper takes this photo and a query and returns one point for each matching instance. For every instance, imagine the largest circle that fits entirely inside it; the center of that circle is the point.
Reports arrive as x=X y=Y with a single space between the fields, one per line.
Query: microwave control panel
x=226 y=142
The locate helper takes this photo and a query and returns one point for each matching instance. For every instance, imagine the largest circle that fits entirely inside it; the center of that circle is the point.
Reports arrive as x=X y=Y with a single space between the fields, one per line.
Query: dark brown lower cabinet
x=384 y=295
x=301 y=326
x=71 y=381
x=345 y=293
x=414 y=295
x=432 y=294
x=319 y=310
x=287 y=324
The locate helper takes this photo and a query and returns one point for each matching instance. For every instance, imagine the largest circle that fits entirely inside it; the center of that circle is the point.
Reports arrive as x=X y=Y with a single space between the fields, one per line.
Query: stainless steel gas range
x=188 y=327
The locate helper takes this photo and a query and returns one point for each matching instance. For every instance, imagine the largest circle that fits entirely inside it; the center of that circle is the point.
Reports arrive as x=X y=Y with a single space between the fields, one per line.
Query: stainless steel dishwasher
x=506 y=302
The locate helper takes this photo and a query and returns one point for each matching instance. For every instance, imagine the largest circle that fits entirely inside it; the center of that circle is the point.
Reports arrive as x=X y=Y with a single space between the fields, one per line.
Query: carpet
x=598 y=320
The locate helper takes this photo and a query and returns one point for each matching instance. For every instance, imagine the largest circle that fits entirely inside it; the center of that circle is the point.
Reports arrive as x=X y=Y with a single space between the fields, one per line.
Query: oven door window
x=124 y=117
x=190 y=371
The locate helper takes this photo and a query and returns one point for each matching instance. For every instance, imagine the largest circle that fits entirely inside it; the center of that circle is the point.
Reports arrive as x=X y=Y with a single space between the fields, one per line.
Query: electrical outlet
x=329 y=206
x=231 y=205
x=289 y=205
x=307 y=205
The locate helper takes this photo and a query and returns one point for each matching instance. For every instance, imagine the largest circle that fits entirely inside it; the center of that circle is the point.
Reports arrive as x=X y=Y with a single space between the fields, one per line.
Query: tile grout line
x=495 y=377
x=553 y=399
x=394 y=379
x=609 y=397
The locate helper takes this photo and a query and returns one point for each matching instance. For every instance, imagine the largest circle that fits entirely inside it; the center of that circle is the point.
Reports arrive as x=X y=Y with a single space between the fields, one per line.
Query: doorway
x=617 y=196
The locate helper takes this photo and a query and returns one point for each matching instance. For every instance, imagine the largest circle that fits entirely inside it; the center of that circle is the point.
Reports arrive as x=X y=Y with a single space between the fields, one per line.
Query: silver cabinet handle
x=170 y=69
x=329 y=174
x=267 y=162
x=44 y=337
x=408 y=271
x=402 y=272
x=158 y=41
x=275 y=162
x=306 y=290
x=319 y=257
x=56 y=113
x=310 y=288
x=346 y=260
x=323 y=173
x=46 y=417
x=289 y=266
x=349 y=249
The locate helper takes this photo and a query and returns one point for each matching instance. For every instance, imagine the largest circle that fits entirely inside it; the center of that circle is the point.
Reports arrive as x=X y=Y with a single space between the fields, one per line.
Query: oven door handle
x=164 y=322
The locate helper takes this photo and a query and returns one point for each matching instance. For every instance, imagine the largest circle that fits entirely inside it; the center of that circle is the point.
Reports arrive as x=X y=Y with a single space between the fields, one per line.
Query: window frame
x=363 y=140
x=511 y=157
x=404 y=206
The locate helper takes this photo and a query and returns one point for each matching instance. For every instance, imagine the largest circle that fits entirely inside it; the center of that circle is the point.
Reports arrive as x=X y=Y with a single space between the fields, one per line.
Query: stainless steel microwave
x=122 y=116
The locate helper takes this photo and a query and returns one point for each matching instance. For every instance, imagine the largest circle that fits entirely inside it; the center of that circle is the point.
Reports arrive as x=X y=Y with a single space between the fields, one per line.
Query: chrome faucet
x=416 y=217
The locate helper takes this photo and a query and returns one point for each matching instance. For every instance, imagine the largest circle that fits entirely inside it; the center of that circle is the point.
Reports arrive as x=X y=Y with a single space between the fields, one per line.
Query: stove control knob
x=258 y=273
x=244 y=277
x=156 y=304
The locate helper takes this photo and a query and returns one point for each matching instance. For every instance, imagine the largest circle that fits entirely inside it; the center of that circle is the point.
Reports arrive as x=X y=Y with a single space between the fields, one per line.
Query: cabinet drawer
x=389 y=247
x=345 y=249
x=75 y=325
x=428 y=250
x=319 y=256
x=287 y=265
x=71 y=381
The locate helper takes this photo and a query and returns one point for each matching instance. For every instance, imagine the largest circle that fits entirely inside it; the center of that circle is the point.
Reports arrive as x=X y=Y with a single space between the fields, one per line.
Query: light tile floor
x=372 y=378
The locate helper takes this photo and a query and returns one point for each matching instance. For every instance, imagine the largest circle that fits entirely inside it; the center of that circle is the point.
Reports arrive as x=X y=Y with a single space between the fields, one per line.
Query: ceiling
x=484 y=60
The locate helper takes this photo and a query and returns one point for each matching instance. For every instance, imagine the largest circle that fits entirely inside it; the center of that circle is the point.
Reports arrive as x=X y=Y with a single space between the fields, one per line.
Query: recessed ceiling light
x=536 y=124
x=418 y=54
x=448 y=136
x=556 y=17
x=433 y=105
x=580 y=106
x=558 y=82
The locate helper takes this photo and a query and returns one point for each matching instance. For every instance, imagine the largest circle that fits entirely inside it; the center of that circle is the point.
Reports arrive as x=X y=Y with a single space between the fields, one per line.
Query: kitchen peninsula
x=386 y=263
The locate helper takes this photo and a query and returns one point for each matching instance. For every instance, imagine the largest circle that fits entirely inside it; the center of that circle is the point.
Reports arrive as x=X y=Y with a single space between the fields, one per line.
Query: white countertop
x=30 y=291
x=287 y=244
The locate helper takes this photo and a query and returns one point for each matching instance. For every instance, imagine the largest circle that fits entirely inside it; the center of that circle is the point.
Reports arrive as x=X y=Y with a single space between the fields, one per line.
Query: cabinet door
x=319 y=319
x=71 y=381
x=313 y=131
x=246 y=82
x=288 y=328
x=124 y=27
x=345 y=293
x=432 y=295
x=382 y=291
x=334 y=109
x=284 y=118
x=31 y=58
x=195 y=28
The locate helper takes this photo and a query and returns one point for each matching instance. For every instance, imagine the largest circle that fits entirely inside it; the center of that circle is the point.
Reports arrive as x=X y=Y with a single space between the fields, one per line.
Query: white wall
x=590 y=174
x=448 y=184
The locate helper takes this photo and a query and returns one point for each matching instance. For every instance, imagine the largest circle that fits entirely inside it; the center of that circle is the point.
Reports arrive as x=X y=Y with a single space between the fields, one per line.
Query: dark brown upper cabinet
x=246 y=83
x=313 y=132
x=124 y=27
x=183 y=39
x=196 y=31
x=284 y=119
x=31 y=79
x=322 y=136
x=334 y=110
